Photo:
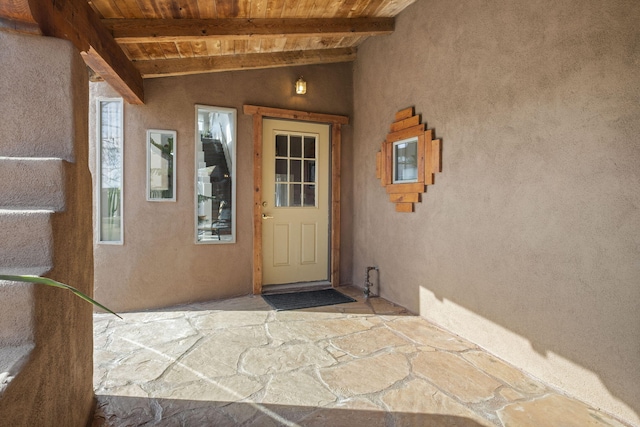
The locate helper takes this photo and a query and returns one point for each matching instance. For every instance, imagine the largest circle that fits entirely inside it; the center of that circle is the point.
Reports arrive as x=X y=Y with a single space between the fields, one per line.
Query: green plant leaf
x=51 y=282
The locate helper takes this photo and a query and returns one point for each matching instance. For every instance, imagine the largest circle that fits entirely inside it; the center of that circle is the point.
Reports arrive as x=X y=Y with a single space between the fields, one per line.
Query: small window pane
x=296 y=146
x=296 y=171
x=309 y=171
x=281 y=146
x=309 y=147
x=281 y=195
x=405 y=157
x=281 y=170
x=309 y=195
x=110 y=174
x=295 y=195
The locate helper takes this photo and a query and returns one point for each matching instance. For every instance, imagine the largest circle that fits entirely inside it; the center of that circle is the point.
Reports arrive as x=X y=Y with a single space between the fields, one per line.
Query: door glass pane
x=281 y=170
x=281 y=145
x=309 y=195
x=309 y=147
x=309 y=171
x=296 y=171
x=295 y=194
x=291 y=171
x=281 y=195
x=296 y=146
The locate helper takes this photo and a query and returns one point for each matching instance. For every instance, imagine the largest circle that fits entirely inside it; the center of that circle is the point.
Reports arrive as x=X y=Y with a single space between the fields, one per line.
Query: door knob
x=265 y=216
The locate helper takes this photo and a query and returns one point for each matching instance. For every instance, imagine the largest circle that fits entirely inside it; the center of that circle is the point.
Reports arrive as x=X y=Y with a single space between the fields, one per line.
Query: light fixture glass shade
x=301 y=86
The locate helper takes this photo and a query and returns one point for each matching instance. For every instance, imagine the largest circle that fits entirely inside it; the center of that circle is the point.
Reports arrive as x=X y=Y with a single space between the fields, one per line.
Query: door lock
x=265 y=216
x=264 y=204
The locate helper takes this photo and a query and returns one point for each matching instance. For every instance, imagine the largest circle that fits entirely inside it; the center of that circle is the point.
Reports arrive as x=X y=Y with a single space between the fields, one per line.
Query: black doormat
x=296 y=300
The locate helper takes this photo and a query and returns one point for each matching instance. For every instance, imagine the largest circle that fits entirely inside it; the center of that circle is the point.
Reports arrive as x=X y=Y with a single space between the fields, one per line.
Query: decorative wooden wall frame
x=407 y=128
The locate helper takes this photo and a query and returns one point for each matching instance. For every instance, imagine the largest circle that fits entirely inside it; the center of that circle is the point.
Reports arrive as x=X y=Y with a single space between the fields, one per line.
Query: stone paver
x=368 y=363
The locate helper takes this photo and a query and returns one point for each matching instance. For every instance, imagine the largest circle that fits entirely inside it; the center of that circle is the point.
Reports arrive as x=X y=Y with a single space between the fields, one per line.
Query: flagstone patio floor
x=368 y=363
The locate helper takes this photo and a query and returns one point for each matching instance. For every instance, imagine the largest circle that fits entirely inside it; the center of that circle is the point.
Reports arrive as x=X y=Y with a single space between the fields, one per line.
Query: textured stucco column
x=43 y=113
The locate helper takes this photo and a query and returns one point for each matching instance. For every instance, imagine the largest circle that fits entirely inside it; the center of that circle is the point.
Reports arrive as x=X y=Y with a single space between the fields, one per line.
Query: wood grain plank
x=304 y=116
x=346 y=8
x=318 y=8
x=153 y=50
x=305 y=8
x=405 y=123
x=257 y=204
x=404 y=197
x=289 y=9
x=130 y=9
x=414 y=187
x=207 y=9
x=388 y=164
x=213 y=47
x=149 y=9
x=185 y=49
x=336 y=143
x=170 y=50
x=428 y=166
x=146 y=30
x=139 y=53
x=421 y=155
x=405 y=133
x=274 y=8
x=258 y=9
x=437 y=155
x=227 y=8
x=404 y=207
x=199 y=48
x=404 y=114
x=227 y=47
x=230 y=61
x=383 y=164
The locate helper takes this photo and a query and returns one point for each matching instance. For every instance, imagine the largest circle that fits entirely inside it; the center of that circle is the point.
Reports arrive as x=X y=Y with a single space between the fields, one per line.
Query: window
x=405 y=161
x=215 y=180
x=110 y=167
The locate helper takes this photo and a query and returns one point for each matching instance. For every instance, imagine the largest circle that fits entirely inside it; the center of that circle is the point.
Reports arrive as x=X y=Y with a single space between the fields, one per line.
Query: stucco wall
x=529 y=242
x=159 y=263
x=44 y=114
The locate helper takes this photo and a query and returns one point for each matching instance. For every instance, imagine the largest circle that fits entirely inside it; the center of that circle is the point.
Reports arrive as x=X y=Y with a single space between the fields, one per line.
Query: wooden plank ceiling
x=176 y=37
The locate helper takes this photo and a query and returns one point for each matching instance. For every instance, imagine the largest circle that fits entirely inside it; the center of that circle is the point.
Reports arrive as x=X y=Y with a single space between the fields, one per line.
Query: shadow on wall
x=125 y=410
x=546 y=341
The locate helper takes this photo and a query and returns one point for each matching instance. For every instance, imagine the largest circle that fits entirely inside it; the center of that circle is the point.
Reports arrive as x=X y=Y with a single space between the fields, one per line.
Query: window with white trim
x=110 y=170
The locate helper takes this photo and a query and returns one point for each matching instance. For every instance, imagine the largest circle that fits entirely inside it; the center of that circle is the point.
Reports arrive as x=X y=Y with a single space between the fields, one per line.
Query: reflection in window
x=110 y=161
x=405 y=160
x=295 y=170
x=215 y=164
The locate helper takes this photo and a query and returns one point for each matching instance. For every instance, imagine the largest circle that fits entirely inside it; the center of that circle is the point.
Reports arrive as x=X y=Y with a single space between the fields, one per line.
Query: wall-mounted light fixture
x=301 y=86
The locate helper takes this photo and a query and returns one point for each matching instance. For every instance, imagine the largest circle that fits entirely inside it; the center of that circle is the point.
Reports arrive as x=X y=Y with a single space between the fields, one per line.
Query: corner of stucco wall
x=56 y=384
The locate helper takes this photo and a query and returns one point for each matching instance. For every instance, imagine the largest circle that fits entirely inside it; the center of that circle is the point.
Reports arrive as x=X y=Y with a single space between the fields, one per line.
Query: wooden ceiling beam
x=76 y=21
x=184 y=66
x=176 y=30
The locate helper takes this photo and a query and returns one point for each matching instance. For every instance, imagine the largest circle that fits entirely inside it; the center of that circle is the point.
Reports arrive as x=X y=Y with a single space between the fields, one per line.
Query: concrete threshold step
x=26 y=238
x=32 y=183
